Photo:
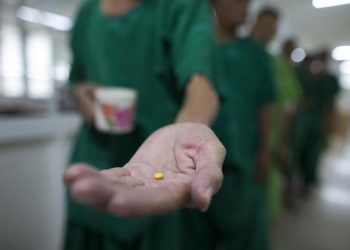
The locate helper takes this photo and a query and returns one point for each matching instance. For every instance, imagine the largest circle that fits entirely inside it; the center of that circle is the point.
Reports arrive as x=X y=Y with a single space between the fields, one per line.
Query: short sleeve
x=77 y=72
x=191 y=39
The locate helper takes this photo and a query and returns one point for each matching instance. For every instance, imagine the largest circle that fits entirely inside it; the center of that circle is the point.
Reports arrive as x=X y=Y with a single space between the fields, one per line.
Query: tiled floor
x=323 y=222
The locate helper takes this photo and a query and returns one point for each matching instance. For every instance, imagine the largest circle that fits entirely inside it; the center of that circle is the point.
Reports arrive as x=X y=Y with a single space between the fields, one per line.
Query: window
x=11 y=62
x=34 y=58
x=39 y=64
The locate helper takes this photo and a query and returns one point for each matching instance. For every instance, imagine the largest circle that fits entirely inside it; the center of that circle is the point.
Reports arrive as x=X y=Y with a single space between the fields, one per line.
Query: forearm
x=265 y=127
x=263 y=160
x=201 y=102
x=83 y=93
x=286 y=125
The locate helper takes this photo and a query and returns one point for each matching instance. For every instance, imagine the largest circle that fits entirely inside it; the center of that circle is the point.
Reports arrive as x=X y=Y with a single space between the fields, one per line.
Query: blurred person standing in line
x=319 y=91
x=287 y=107
x=163 y=50
x=332 y=89
x=288 y=94
x=236 y=218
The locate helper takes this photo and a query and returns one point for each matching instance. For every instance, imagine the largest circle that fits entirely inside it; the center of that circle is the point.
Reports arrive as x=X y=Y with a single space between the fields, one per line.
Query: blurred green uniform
x=154 y=48
x=237 y=216
x=319 y=92
x=288 y=94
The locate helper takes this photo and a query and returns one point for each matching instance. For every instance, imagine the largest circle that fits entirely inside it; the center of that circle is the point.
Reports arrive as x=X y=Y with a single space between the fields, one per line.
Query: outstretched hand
x=189 y=155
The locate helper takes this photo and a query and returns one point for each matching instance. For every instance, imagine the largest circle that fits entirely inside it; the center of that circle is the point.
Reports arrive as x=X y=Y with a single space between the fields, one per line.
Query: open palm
x=189 y=155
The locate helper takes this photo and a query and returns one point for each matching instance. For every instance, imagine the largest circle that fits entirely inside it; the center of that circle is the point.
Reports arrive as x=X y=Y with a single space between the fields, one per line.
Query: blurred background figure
x=264 y=30
x=237 y=217
x=287 y=107
x=320 y=89
x=332 y=87
x=288 y=94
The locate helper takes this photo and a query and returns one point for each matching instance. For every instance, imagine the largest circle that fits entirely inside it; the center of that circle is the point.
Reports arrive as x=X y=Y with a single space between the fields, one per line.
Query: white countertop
x=34 y=127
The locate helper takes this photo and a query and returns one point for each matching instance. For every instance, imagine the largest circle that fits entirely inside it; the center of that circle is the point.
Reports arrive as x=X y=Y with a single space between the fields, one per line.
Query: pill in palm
x=158 y=176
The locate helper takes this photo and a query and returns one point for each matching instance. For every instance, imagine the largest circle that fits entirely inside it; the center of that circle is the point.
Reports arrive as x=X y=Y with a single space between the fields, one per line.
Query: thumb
x=206 y=183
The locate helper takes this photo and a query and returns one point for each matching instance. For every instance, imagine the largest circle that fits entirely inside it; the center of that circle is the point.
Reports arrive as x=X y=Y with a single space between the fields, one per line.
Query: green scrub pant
x=236 y=219
x=274 y=186
x=163 y=233
x=307 y=146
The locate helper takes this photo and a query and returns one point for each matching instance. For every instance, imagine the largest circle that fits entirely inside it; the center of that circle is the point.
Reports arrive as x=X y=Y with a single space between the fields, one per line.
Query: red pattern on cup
x=124 y=118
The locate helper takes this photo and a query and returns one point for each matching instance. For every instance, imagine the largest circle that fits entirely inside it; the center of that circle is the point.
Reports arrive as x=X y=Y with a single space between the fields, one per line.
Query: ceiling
x=62 y=7
x=314 y=28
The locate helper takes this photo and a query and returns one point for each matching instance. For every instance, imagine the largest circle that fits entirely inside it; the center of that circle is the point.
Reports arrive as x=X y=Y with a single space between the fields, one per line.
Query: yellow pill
x=158 y=176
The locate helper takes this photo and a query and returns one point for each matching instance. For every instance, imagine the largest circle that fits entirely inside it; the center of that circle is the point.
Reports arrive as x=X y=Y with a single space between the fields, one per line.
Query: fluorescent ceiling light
x=28 y=14
x=57 y=22
x=48 y=19
x=329 y=3
x=341 y=53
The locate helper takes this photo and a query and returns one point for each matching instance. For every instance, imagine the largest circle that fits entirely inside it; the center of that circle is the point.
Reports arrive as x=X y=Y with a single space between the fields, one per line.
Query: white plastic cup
x=114 y=110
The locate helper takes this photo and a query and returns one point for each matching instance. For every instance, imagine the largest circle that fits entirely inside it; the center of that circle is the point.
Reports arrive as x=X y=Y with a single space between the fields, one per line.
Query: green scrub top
x=306 y=80
x=288 y=89
x=154 y=48
x=328 y=88
x=288 y=92
x=321 y=91
x=236 y=216
x=244 y=78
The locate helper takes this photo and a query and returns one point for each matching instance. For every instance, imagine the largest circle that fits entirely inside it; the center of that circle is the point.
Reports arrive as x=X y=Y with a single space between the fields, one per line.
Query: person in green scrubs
x=163 y=50
x=332 y=89
x=306 y=139
x=288 y=95
x=320 y=89
x=264 y=30
x=237 y=218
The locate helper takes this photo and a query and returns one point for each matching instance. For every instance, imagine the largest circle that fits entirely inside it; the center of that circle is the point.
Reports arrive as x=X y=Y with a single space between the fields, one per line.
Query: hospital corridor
x=174 y=125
